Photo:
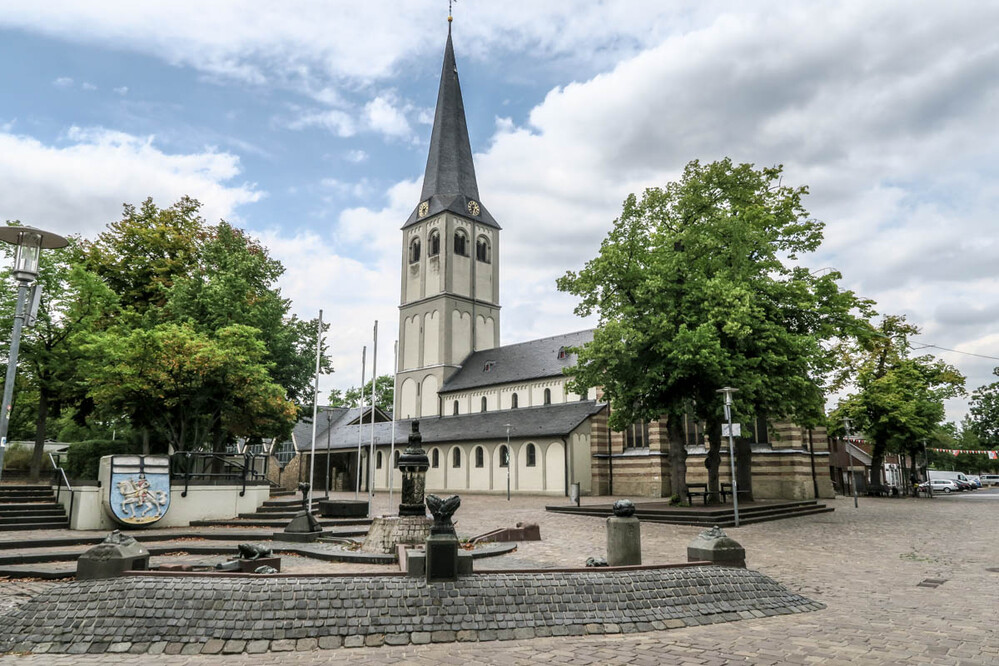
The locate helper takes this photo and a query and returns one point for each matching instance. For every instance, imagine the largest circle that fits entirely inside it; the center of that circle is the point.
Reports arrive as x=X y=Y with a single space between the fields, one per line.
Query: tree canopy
x=699 y=286
x=354 y=397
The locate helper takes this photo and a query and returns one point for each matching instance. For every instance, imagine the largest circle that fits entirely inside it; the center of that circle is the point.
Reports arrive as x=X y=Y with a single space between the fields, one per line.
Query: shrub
x=84 y=458
x=17 y=458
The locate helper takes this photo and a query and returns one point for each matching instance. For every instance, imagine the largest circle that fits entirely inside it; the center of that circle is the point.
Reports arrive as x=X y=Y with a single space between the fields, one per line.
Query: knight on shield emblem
x=140 y=489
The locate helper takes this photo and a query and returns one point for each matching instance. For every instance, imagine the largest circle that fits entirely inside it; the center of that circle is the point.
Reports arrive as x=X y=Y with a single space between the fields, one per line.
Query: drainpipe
x=811 y=449
x=568 y=468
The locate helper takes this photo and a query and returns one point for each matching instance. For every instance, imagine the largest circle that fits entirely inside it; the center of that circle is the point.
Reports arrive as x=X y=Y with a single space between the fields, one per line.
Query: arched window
x=456 y=457
x=435 y=459
x=480 y=457
x=531 y=454
x=378 y=460
x=482 y=252
x=434 y=243
x=504 y=453
x=484 y=403
x=455 y=408
x=414 y=251
x=548 y=396
x=395 y=462
x=460 y=243
x=513 y=401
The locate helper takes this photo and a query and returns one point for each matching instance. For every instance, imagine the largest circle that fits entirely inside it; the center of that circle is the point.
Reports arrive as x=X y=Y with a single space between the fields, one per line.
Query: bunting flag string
x=993 y=455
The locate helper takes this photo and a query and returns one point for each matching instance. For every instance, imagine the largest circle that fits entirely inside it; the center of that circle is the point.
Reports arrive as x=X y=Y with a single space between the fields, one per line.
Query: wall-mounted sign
x=139 y=492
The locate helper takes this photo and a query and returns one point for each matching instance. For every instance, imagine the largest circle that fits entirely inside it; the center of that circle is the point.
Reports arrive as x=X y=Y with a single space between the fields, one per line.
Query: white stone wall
x=500 y=396
x=547 y=476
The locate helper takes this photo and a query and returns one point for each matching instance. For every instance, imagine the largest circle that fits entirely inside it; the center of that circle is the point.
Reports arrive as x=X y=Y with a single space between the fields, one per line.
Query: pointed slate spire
x=449 y=164
x=449 y=180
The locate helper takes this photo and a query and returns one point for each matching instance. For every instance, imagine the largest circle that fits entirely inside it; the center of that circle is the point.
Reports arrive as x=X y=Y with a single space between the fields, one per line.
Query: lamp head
x=727 y=392
x=30 y=242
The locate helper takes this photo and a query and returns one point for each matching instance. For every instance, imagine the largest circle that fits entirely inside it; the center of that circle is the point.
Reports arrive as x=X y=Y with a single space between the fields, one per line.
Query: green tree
x=197 y=388
x=72 y=300
x=696 y=288
x=897 y=399
x=141 y=255
x=233 y=281
x=352 y=397
x=983 y=418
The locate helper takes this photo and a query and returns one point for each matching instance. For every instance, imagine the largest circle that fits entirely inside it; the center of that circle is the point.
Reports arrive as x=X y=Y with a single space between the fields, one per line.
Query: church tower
x=450 y=262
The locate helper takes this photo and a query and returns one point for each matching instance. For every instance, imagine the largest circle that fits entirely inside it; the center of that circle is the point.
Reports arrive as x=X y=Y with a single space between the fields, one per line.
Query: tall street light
x=849 y=453
x=727 y=392
x=30 y=242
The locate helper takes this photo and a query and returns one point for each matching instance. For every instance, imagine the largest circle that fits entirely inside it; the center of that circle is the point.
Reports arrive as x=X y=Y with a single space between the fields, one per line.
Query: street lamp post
x=30 y=242
x=727 y=392
x=507 y=462
x=853 y=479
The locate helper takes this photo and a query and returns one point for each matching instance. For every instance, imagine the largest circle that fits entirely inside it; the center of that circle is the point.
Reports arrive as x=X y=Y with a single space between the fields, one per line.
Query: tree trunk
x=39 y=452
x=677 y=456
x=877 y=465
x=145 y=441
x=713 y=460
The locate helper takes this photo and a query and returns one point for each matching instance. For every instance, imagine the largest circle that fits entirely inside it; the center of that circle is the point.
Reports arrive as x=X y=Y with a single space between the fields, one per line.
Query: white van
x=990 y=480
x=951 y=476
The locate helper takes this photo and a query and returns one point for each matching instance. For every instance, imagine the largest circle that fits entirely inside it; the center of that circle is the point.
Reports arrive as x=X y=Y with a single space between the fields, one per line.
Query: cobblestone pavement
x=865 y=564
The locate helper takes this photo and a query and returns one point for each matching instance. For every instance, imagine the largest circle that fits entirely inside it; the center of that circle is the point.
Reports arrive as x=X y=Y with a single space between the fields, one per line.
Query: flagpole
x=360 y=413
x=315 y=410
x=395 y=366
x=371 y=450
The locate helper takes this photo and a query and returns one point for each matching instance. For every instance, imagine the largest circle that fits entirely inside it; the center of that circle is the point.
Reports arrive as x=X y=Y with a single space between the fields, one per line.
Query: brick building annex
x=492 y=414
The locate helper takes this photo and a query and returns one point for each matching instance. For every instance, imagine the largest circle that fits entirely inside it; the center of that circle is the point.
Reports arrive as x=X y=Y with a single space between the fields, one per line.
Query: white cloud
x=87 y=85
x=332 y=120
x=355 y=156
x=80 y=185
x=382 y=115
x=121 y=90
x=63 y=82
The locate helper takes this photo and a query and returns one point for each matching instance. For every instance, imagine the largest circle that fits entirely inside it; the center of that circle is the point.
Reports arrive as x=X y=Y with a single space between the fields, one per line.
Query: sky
x=307 y=123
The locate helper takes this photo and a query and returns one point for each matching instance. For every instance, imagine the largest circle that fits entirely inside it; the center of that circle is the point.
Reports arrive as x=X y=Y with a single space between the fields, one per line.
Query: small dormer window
x=562 y=353
x=488 y=366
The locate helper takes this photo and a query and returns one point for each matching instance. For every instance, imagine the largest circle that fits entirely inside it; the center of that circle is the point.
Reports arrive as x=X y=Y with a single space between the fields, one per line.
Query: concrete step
x=56 y=510
x=26 y=496
x=32 y=518
x=278 y=524
x=38 y=525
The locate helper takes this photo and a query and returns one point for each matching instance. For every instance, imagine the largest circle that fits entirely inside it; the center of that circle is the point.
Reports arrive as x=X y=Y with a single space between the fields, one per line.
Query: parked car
x=990 y=479
x=942 y=486
x=964 y=484
x=975 y=481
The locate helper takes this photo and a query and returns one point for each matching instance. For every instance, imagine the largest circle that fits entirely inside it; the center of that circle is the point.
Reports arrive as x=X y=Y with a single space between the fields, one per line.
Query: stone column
x=624 y=536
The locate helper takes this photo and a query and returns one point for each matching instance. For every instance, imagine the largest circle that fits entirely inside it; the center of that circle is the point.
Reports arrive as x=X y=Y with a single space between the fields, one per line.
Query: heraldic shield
x=140 y=489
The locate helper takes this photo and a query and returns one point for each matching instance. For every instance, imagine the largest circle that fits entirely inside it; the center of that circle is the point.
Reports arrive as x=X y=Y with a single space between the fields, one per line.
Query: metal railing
x=218 y=467
x=59 y=479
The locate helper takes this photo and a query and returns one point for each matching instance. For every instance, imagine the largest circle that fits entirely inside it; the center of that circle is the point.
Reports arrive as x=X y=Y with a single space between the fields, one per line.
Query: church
x=497 y=418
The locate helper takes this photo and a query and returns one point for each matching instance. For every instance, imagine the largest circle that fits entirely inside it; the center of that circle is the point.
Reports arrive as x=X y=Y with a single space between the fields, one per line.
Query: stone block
x=330 y=508
x=416 y=563
x=442 y=558
x=257 y=647
x=353 y=641
x=330 y=642
x=716 y=547
x=419 y=637
x=112 y=557
x=624 y=541
x=306 y=644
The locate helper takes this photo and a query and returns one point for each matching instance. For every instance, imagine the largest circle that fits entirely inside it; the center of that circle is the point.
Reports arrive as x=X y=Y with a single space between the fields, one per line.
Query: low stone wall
x=204 y=614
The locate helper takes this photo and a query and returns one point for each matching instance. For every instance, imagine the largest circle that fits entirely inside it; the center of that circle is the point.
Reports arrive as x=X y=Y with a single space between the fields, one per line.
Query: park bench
x=697 y=490
x=726 y=489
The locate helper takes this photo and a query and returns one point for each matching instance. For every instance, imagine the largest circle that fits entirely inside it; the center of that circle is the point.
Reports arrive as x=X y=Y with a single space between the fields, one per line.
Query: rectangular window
x=760 y=428
x=694 y=431
x=636 y=436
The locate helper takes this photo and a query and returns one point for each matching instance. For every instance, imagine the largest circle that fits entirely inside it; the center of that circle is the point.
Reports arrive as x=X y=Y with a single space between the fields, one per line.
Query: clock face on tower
x=473 y=207
x=424 y=208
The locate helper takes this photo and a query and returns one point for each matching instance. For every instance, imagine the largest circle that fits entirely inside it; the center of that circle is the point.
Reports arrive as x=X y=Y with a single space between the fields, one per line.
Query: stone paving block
x=353 y=641
x=213 y=646
x=257 y=647
x=442 y=636
x=374 y=640
x=397 y=639
x=283 y=645
x=233 y=646
x=419 y=637
x=330 y=642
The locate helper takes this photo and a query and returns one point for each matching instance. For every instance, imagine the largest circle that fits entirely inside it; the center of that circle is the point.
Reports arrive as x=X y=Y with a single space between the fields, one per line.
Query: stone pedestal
x=624 y=541
x=718 y=548
x=343 y=508
x=442 y=558
x=112 y=557
x=388 y=532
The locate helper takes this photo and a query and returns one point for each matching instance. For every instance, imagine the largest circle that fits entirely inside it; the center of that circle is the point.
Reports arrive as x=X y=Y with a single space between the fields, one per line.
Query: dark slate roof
x=516 y=363
x=449 y=180
x=548 y=421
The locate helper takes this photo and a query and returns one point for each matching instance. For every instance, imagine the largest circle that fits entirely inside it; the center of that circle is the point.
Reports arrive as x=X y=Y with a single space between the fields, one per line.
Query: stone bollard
x=624 y=535
x=718 y=548
x=112 y=557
